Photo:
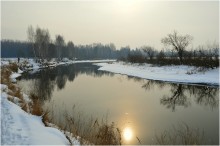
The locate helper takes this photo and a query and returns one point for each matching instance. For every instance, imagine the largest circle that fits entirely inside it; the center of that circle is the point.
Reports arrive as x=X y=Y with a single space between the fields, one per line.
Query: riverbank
x=20 y=126
x=26 y=64
x=177 y=74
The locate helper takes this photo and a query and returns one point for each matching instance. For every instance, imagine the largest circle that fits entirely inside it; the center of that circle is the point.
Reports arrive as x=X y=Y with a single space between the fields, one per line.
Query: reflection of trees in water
x=177 y=97
x=60 y=79
x=43 y=87
x=151 y=84
x=47 y=79
x=204 y=95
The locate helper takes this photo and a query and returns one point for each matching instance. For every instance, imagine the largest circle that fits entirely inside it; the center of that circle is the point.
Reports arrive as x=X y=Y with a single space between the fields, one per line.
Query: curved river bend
x=140 y=108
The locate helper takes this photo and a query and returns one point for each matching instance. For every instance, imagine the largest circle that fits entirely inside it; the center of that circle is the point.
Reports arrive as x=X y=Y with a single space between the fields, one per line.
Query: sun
x=125 y=6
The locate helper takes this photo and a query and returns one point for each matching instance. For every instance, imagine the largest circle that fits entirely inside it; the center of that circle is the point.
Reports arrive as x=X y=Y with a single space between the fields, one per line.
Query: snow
x=21 y=128
x=20 y=71
x=30 y=64
x=179 y=74
x=3 y=63
x=13 y=77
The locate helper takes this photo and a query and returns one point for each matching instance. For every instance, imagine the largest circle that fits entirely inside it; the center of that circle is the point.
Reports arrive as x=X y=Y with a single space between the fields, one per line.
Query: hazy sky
x=122 y=22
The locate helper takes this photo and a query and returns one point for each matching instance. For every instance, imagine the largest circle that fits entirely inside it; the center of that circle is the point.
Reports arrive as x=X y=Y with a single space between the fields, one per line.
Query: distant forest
x=40 y=46
x=10 y=48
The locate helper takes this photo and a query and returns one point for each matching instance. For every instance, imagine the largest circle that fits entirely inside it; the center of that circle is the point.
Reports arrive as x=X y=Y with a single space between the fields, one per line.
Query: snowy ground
x=30 y=64
x=179 y=74
x=21 y=128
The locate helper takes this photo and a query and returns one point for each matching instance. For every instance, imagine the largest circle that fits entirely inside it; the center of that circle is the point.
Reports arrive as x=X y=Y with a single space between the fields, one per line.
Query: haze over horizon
x=123 y=22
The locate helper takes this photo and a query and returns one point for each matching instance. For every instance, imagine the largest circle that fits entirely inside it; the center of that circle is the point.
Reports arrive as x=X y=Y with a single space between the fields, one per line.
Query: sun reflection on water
x=127 y=134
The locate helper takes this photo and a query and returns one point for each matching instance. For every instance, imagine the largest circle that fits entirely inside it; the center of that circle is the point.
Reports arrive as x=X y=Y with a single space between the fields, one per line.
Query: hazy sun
x=125 y=6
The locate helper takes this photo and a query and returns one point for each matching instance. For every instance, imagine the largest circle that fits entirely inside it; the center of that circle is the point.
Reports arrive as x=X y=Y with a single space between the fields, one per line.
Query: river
x=140 y=108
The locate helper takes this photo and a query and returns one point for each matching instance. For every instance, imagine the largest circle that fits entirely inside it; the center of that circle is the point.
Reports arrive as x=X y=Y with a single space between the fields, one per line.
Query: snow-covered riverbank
x=178 y=74
x=30 y=64
x=21 y=128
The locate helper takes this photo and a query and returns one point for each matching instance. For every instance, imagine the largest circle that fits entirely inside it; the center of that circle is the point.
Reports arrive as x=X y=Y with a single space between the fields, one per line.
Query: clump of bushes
x=136 y=58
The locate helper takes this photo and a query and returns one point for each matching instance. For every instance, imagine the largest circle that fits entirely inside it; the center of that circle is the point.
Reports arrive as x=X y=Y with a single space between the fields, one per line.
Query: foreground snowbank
x=180 y=74
x=21 y=128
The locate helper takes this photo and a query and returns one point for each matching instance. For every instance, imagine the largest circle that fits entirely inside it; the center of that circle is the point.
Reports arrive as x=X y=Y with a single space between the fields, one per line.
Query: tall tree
x=71 y=49
x=31 y=38
x=42 y=41
x=178 y=42
x=60 y=43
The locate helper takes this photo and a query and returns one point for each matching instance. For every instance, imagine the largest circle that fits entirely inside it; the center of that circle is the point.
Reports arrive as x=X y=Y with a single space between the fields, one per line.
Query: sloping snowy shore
x=21 y=128
x=178 y=74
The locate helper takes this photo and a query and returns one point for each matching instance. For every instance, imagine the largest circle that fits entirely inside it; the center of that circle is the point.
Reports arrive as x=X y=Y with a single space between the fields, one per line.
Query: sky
x=123 y=22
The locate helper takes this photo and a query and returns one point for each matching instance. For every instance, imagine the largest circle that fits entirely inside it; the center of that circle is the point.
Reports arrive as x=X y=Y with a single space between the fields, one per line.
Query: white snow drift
x=180 y=74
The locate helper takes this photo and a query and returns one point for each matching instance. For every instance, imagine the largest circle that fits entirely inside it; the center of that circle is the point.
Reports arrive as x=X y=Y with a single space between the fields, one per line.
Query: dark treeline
x=14 y=49
x=40 y=46
x=11 y=49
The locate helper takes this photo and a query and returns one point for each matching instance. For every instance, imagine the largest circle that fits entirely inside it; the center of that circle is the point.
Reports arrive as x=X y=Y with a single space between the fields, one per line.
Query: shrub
x=138 y=58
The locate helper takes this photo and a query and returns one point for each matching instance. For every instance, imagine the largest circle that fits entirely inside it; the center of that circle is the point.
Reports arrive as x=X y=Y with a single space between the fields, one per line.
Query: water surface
x=139 y=107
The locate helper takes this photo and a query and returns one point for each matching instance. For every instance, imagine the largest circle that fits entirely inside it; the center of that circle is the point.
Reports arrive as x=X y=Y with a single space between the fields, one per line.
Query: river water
x=140 y=108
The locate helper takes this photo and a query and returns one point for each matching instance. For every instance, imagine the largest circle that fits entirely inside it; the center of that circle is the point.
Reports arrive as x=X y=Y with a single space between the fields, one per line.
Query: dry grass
x=182 y=135
x=107 y=135
x=13 y=67
x=90 y=130
x=37 y=109
x=15 y=91
x=5 y=74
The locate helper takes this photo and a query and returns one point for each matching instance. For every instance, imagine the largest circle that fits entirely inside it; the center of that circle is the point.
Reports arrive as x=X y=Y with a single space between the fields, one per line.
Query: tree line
x=41 y=46
x=176 y=53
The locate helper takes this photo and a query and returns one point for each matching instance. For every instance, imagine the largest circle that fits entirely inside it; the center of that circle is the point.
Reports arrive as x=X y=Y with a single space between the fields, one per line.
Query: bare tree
x=71 y=49
x=178 y=42
x=42 y=40
x=59 y=42
x=31 y=37
x=150 y=51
